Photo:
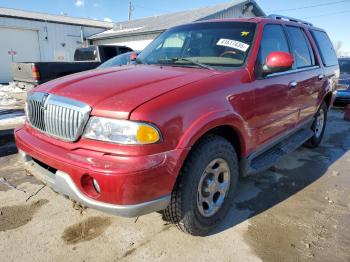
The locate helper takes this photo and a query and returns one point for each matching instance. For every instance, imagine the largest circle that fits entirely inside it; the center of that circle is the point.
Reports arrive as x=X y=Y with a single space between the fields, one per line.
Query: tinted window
x=86 y=54
x=109 y=52
x=344 y=66
x=123 y=50
x=300 y=47
x=273 y=40
x=325 y=48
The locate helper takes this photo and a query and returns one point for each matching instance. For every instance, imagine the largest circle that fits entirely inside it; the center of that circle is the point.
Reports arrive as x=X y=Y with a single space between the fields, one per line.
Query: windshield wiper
x=176 y=59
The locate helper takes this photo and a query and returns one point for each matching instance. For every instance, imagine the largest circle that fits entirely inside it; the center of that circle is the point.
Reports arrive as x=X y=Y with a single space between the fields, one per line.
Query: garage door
x=18 y=45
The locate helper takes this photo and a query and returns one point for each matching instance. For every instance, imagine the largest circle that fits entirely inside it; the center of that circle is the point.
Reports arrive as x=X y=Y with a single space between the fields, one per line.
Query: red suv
x=205 y=103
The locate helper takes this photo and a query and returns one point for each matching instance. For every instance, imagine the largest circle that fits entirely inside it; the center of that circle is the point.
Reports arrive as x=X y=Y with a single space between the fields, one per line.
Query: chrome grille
x=57 y=116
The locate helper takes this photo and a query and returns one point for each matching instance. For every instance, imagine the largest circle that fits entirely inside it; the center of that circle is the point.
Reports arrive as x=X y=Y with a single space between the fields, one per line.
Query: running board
x=266 y=159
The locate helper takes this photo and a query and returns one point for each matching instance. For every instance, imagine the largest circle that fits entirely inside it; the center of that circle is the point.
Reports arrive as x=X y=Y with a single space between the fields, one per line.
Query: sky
x=331 y=15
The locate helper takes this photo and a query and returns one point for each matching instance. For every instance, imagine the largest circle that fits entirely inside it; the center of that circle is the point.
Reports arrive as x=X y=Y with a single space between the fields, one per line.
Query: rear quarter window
x=344 y=66
x=325 y=48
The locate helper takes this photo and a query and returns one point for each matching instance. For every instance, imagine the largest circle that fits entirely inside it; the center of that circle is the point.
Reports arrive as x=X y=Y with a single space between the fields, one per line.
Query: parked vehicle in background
x=206 y=103
x=120 y=60
x=28 y=75
x=343 y=96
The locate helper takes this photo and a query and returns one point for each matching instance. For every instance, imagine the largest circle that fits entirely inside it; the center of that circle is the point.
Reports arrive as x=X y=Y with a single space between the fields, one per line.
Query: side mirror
x=133 y=57
x=278 y=62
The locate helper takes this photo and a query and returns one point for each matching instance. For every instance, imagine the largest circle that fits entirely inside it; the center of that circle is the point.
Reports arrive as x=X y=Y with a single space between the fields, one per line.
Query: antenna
x=131 y=8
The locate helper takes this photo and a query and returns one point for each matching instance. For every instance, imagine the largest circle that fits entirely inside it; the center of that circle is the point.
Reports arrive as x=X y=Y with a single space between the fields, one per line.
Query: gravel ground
x=297 y=211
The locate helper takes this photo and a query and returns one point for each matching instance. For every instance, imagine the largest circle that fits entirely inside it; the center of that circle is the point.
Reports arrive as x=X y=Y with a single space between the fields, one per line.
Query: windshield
x=219 y=45
x=344 y=66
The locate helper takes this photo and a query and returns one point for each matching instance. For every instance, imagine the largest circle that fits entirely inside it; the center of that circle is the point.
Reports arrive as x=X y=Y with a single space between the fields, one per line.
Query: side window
x=325 y=48
x=273 y=39
x=301 y=48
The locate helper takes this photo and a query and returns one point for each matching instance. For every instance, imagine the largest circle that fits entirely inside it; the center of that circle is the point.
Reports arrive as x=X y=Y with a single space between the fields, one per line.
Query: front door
x=273 y=111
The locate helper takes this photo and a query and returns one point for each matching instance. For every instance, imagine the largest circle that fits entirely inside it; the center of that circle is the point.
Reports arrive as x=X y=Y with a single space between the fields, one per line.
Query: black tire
x=316 y=139
x=183 y=209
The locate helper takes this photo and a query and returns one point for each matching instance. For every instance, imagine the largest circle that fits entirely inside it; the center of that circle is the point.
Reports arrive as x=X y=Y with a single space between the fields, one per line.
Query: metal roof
x=163 y=22
x=20 y=14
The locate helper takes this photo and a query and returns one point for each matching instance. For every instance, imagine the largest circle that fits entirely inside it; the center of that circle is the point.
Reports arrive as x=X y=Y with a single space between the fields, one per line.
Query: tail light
x=35 y=72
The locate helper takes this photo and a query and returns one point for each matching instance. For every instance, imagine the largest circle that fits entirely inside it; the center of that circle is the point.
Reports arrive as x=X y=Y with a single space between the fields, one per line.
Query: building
x=32 y=37
x=137 y=34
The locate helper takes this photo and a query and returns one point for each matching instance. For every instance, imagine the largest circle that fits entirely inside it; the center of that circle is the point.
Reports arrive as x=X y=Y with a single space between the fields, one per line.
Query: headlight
x=121 y=131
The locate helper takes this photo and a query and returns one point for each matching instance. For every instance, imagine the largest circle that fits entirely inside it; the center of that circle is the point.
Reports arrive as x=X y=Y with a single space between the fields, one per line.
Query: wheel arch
x=328 y=99
x=222 y=123
x=228 y=132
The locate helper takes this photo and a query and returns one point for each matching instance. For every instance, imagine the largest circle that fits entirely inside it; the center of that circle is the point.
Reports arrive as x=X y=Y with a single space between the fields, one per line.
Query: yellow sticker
x=244 y=33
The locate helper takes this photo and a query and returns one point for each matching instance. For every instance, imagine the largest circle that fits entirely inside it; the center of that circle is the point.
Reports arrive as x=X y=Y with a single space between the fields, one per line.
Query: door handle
x=293 y=84
x=320 y=77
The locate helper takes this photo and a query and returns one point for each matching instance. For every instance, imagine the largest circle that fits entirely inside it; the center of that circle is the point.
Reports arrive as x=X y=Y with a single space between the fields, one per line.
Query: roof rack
x=282 y=17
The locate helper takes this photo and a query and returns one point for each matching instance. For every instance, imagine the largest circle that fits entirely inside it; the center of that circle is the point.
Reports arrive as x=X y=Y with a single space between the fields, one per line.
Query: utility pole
x=130 y=10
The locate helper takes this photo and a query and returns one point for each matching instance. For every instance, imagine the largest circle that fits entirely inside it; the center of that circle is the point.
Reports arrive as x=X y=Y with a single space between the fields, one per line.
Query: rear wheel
x=318 y=126
x=205 y=188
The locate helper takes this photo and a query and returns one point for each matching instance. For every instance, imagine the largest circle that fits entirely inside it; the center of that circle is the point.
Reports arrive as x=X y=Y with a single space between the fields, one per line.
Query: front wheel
x=205 y=188
x=318 y=126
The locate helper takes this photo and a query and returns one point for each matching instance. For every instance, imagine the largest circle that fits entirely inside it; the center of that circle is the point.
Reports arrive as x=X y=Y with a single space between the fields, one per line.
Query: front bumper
x=130 y=185
x=343 y=97
x=62 y=183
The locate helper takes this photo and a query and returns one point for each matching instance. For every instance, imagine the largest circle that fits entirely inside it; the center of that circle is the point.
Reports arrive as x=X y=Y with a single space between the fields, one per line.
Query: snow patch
x=5 y=94
x=11 y=87
x=6 y=100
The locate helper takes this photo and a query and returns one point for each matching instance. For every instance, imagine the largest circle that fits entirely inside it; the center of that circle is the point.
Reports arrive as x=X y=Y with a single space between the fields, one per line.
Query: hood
x=115 y=92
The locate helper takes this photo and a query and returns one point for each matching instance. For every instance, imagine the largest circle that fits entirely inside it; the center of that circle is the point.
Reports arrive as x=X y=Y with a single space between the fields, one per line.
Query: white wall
x=53 y=37
x=137 y=43
x=56 y=41
x=22 y=44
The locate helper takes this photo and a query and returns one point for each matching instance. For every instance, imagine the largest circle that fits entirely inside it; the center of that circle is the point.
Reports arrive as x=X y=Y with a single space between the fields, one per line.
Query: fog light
x=96 y=185
x=90 y=186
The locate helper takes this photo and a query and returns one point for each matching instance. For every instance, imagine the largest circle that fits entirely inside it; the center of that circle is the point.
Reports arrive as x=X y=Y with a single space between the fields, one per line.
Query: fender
x=212 y=120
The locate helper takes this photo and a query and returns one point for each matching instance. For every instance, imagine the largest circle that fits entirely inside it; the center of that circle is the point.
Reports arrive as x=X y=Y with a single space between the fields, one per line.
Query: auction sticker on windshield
x=233 y=44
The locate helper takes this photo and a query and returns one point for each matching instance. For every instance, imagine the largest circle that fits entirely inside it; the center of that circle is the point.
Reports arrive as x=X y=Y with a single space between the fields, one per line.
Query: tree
x=339 y=49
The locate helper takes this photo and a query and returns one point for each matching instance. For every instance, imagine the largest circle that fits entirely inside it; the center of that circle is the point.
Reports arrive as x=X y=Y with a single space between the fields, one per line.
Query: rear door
x=328 y=57
x=308 y=76
x=273 y=112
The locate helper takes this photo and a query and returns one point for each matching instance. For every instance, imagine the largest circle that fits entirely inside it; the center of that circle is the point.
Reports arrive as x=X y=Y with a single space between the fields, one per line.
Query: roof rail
x=282 y=17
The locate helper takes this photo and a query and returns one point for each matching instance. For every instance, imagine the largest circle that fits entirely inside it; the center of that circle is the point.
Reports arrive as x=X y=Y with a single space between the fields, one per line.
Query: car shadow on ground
x=289 y=176
x=7 y=143
x=261 y=192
